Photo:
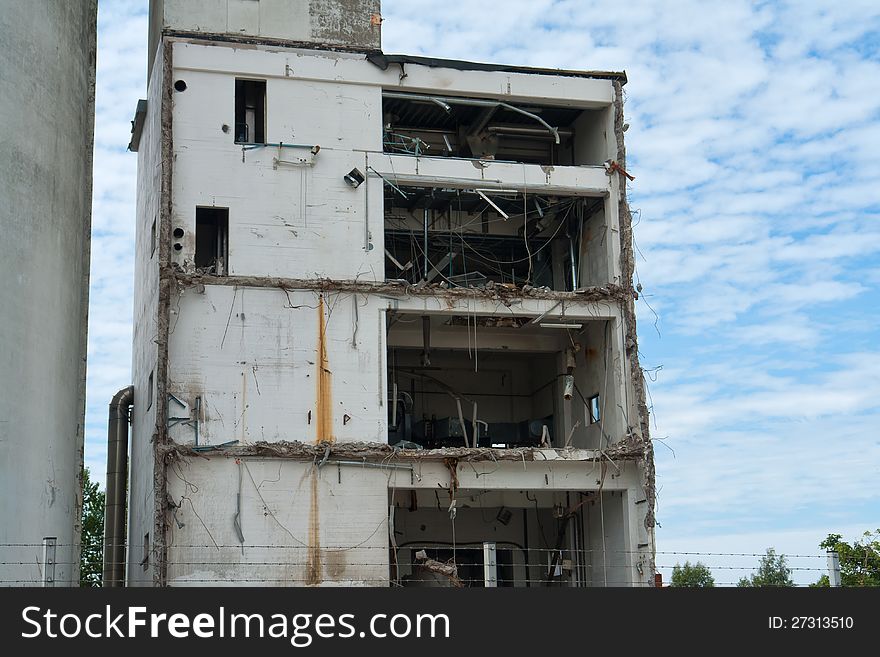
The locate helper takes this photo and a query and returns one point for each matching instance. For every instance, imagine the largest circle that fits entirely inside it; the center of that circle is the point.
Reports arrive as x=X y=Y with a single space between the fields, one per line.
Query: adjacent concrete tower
x=47 y=72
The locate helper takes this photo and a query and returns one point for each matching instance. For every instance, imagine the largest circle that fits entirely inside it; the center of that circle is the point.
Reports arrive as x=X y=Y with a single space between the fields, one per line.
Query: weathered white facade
x=308 y=347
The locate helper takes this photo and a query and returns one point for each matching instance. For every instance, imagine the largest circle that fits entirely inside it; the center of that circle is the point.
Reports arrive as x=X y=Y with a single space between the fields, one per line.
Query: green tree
x=859 y=560
x=92 y=538
x=690 y=575
x=773 y=570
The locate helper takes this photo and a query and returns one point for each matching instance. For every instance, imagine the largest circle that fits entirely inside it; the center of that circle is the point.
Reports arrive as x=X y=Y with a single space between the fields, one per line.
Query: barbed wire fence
x=414 y=564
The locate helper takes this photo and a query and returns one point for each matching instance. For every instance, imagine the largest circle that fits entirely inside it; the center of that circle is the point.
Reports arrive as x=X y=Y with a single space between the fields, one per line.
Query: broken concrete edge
x=629 y=316
x=215 y=38
x=447 y=570
x=160 y=437
x=370 y=452
x=379 y=58
x=608 y=292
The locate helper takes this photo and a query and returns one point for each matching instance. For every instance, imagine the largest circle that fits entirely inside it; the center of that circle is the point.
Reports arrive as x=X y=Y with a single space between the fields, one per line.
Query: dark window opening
x=212 y=243
x=442 y=126
x=150 y=391
x=595 y=412
x=250 y=111
x=479 y=238
x=145 y=561
x=153 y=238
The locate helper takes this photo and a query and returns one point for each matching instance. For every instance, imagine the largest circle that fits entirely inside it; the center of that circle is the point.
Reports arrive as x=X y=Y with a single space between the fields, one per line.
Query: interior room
x=497 y=381
x=537 y=538
x=480 y=128
x=476 y=237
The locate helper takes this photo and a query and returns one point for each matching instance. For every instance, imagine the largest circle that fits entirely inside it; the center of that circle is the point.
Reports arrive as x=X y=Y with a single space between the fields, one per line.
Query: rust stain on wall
x=314 y=568
x=324 y=420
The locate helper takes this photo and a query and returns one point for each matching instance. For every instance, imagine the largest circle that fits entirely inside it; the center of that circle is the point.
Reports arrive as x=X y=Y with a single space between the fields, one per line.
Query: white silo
x=47 y=77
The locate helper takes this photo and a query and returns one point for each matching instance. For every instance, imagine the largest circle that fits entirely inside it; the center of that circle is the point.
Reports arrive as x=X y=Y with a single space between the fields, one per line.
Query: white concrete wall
x=47 y=76
x=607 y=534
x=298 y=221
x=146 y=330
x=253 y=356
x=301 y=525
x=353 y=69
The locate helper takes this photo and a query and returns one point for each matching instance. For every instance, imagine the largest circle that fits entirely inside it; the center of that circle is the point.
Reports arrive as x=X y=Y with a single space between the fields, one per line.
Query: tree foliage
x=689 y=575
x=773 y=570
x=859 y=560
x=92 y=538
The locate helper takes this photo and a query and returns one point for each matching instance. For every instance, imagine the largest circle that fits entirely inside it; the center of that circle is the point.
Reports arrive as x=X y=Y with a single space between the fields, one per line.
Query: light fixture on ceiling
x=444 y=106
x=560 y=325
x=492 y=203
x=539 y=209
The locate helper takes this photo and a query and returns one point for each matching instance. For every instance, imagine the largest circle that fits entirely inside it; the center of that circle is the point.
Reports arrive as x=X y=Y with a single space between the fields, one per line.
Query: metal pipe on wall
x=425 y=249
x=117 y=480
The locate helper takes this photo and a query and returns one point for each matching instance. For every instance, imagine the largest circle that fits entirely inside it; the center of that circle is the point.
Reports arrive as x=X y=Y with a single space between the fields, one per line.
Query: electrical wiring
x=541 y=248
x=526 y=226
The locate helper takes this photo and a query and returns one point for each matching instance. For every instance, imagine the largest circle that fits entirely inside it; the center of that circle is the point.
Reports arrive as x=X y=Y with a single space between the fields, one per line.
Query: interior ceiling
x=441 y=199
x=495 y=323
x=414 y=115
x=468 y=200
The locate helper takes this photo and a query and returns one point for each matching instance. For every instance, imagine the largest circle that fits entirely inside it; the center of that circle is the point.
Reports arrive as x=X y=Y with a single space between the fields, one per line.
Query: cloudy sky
x=755 y=141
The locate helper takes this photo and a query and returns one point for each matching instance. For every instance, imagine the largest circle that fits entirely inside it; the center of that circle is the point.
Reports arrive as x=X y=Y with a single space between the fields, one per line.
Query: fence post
x=833 y=568
x=49 y=546
x=490 y=565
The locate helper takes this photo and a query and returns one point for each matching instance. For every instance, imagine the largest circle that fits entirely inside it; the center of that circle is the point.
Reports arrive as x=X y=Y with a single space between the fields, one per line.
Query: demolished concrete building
x=384 y=314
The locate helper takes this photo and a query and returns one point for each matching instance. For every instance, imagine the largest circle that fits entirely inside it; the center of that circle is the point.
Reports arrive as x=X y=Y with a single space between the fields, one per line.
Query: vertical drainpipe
x=117 y=488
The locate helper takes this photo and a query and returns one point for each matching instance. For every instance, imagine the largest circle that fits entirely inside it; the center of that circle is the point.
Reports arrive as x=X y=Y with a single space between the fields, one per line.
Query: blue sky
x=754 y=138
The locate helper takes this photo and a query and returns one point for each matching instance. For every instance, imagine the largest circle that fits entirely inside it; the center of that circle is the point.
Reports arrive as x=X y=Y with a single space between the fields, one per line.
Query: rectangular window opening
x=150 y=391
x=595 y=413
x=145 y=562
x=153 y=238
x=212 y=242
x=250 y=111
